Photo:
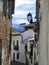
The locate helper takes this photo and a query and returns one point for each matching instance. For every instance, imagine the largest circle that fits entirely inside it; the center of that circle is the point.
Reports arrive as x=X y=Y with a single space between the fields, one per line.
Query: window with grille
x=26 y=48
x=13 y=56
x=17 y=55
x=16 y=47
x=13 y=42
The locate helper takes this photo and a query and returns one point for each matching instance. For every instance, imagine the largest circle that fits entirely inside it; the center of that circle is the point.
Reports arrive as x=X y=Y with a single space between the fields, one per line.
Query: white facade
x=24 y=39
x=29 y=40
x=21 y=50
x=44 y=33
x=28 y=34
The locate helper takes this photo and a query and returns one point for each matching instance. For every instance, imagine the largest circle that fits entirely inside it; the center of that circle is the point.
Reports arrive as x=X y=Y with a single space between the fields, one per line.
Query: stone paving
x=17 y=63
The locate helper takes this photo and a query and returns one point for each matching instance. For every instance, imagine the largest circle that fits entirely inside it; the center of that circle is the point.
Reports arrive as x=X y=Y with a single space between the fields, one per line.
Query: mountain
x=19 y=27
x=14 y=30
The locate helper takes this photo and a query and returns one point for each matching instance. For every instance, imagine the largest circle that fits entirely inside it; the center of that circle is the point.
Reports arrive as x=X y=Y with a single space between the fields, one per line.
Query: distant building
x=28 y=41
x=23 y=46
x=30 y=38
x=17 y=48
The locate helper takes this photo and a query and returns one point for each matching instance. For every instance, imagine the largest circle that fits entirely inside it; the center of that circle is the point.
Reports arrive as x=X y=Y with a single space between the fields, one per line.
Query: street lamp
x=29 y=18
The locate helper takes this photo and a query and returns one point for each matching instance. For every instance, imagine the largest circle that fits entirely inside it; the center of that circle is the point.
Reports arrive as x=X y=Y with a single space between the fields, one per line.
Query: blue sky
x=22 y=8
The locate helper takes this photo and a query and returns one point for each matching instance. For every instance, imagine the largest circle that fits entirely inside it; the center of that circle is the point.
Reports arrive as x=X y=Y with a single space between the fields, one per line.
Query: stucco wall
x=5 y=25
x=21 y=49
x=43 y=34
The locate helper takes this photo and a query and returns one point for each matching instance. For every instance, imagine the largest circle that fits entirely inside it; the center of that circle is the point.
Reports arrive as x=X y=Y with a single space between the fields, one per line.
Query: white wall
x=22 y=53
x=21 y=50
x=43 y=33
x=28 y=34
x=48 y=33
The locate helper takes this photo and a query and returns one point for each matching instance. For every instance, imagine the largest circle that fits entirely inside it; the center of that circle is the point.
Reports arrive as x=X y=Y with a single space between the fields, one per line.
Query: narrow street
x=17 y=63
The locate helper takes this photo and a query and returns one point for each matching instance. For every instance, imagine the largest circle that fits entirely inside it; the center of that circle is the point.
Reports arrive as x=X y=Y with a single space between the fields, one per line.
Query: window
x=25 y=48
x=17 y=55
x=31 y=47
x=13 y=42
x=31 y=59
x=16 y=47
x=31 y=50
x=13 y=56
x=34 y=56
x=5 y=7
x=36 y=37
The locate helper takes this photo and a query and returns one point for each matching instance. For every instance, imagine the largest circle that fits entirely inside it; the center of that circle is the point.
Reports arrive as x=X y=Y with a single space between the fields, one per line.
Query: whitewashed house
x=23 y=47
x=30 y=46
x=17 y=48
x=28 y=41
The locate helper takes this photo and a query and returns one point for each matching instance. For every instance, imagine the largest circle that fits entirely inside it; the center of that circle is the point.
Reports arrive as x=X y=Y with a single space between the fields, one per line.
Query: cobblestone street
x=17 y=63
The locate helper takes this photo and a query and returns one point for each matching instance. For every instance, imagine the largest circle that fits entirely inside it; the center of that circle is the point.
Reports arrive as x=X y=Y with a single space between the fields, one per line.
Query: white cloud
x=20 y=2
x=20 y=21
x=22 y=13
x=22 y=16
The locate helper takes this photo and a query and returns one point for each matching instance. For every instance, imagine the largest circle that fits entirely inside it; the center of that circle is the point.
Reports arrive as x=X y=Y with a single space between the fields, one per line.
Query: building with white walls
x=30 y=46
x=43 y=14
x=17 y=48
x=44 y=33
x=24 y=47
